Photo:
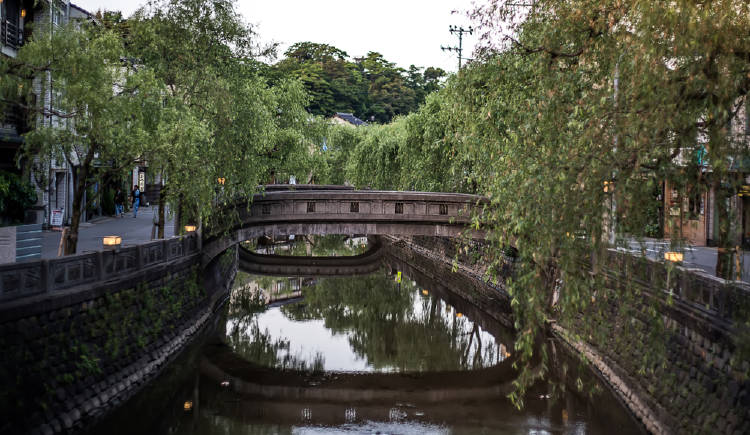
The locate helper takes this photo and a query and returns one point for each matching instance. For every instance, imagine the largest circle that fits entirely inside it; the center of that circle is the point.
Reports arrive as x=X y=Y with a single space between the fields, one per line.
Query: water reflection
x=370 y=324
x=333 y=245
x=357 y=355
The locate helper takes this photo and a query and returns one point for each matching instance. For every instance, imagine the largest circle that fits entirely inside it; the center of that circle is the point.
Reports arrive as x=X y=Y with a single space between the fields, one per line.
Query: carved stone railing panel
x=18 y=280
x=153 y=252
x=71 y=271
x=120 y=261
x=175 y=248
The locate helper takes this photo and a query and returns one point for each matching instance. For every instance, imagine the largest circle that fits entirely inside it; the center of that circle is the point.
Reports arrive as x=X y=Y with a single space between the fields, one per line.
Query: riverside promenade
x=133 y=231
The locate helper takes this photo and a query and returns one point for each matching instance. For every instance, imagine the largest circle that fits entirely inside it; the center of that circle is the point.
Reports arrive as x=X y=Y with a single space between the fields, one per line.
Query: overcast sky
x=404 y=31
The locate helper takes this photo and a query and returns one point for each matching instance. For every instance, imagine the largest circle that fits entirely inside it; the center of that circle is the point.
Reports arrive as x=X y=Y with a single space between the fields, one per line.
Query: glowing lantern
x=111 y=241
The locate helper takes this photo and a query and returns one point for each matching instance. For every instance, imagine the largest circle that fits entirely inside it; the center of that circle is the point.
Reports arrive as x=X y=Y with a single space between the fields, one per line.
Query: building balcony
x=11 y=34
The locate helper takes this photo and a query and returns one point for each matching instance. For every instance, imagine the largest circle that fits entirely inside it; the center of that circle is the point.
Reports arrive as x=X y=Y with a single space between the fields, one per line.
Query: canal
x=387 y=352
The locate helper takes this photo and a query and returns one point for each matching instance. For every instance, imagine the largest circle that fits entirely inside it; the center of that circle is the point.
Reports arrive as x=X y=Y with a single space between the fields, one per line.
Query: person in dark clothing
x=136 y=198
x=119 y=203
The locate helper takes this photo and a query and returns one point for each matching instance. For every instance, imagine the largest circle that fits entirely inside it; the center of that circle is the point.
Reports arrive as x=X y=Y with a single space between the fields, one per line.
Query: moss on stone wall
x=55 y=361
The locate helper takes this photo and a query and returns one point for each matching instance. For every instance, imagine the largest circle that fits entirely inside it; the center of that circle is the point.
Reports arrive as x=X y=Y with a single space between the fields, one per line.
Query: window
x=695 y=206
x=443 y=209
x=311 y=207
x=399 y=208
x=354 y=207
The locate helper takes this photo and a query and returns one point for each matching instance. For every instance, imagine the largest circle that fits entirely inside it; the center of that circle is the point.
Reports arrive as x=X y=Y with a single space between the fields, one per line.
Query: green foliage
x=370 y=86
x=374 y=161
x=583 y=93
x=218 y=118
x=98 y=105
x=16 y=196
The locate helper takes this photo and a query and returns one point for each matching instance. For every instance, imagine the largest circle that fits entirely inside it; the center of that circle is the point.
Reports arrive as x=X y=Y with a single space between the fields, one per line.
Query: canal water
x=377 y=354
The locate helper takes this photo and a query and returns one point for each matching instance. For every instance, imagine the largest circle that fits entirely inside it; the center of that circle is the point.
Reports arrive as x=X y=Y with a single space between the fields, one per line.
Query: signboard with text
x=56 y=218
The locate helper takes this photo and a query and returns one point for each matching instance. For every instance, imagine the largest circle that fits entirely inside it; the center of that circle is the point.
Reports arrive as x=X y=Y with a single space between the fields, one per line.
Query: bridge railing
x=31 y=278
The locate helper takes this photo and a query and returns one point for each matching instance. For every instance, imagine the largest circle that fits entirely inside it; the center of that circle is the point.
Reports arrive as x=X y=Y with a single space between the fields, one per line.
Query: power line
x=458 y=30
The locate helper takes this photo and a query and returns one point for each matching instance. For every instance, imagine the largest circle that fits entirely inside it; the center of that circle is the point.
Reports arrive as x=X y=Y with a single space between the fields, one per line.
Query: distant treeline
x=370 y=87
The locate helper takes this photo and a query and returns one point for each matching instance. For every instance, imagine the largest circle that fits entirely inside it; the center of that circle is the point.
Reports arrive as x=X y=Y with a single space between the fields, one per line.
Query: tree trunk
x=725 y=252
x=79 y=180
x=179 y=229
x=162 y=204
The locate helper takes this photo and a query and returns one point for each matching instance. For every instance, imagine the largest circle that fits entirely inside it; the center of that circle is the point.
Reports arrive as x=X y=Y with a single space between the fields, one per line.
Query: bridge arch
x=348 y=212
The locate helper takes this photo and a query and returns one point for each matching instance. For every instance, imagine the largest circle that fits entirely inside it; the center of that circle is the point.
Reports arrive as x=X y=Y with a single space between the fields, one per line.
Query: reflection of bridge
x=285 y=265
x=283 y=213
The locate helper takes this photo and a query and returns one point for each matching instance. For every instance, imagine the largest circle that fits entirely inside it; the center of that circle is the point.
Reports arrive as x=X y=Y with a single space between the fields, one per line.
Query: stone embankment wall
x=427 y=255
x=698 y=381
x=72 y=353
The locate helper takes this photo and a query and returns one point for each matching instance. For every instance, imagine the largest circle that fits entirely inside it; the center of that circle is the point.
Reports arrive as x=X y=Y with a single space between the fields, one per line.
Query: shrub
x=16 y=195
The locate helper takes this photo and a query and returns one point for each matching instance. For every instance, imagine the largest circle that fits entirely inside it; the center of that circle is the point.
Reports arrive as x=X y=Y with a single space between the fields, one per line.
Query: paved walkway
x=132 y=230
x=699 y=257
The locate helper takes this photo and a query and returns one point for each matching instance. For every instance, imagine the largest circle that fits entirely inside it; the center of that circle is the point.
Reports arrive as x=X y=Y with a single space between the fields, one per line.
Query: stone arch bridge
x=323 y=210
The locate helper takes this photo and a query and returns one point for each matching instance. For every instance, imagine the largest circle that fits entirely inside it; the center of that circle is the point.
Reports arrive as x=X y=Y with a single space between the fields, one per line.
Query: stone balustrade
x=24 y=279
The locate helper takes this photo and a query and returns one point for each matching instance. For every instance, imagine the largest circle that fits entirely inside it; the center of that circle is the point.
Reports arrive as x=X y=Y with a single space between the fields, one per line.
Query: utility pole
x=458 y=30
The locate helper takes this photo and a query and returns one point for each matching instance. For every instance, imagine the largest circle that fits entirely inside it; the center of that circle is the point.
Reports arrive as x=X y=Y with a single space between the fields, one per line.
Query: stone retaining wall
x=69 y=356
x=700 y=384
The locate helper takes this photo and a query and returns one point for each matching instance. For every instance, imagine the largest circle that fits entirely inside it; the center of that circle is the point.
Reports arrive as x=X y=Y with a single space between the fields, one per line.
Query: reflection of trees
x=394 y=327
x=256 y=345
x=316 y=246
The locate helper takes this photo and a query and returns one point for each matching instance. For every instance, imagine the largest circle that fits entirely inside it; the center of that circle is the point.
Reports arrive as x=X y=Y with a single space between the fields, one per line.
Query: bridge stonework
x=283 y=213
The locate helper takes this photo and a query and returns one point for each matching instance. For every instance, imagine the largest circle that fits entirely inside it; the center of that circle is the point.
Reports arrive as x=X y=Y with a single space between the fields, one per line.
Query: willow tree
x=90 y=106
x=583 y=95
x=239 y=129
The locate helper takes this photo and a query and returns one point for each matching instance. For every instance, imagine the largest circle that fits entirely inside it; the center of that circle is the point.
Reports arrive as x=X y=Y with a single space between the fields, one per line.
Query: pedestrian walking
x=136 y=198
x=119 y=203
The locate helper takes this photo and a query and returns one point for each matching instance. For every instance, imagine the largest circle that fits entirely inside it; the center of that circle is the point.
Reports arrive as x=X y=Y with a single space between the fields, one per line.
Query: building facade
x=54 y=182
x=690 y=213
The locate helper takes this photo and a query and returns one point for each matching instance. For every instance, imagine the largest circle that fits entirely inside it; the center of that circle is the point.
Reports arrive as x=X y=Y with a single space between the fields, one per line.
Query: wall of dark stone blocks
x=70 y=358
x=415 y=260
x=699 y=381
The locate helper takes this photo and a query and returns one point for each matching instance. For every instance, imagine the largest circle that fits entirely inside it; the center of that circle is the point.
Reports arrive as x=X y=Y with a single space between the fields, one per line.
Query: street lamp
x=111 y=242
